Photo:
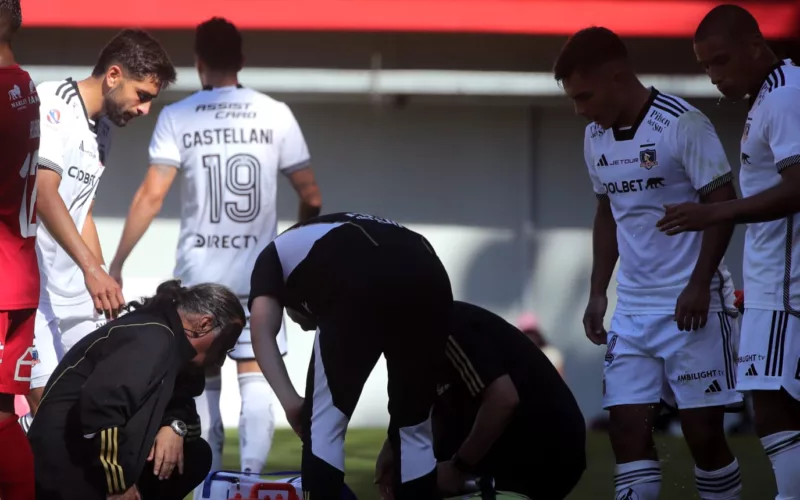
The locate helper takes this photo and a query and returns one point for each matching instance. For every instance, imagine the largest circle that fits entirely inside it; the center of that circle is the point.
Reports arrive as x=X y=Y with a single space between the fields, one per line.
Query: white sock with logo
x=722 y=484
x=640 y=480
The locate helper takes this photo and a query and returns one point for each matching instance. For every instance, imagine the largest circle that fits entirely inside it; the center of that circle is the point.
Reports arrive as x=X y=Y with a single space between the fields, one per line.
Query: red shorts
x=17 y=354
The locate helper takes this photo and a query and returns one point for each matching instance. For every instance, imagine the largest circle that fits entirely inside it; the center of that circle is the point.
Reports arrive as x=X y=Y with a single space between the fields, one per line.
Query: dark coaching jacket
x=110 y=395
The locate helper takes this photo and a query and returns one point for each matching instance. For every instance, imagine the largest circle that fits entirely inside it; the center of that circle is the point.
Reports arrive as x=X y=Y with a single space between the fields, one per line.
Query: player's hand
x=688 y=217
x=166 y=453
x=691 y=309
x=384 y=471
x=593 y=319
x=105 y=291
x=130 y=494
x=450 y=480
x=294 y=415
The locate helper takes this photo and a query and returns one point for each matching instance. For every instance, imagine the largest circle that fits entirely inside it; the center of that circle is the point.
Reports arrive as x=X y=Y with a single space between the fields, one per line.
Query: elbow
x=149 y=202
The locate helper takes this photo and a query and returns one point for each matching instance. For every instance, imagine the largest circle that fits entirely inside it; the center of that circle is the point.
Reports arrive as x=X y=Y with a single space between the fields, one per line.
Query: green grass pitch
x=597 y=483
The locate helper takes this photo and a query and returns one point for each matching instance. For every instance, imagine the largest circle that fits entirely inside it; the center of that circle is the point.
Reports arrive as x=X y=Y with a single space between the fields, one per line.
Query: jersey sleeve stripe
x=165 y=161
x=63 y=88
x=788 y=162
x=109 y=451
x=297 y=166
x=674 y=101
x=717 y=183
x=667 y=107
x=464 y=366
x=50 y=165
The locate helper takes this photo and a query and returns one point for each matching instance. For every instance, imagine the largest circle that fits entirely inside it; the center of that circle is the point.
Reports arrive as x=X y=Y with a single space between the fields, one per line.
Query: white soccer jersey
x=770 y=143
x=671 y=155
x=229 y=144
x=73 y=146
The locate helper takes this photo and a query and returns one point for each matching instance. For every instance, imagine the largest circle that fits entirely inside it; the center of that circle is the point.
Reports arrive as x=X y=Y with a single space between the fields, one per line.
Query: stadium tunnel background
x=498 y=184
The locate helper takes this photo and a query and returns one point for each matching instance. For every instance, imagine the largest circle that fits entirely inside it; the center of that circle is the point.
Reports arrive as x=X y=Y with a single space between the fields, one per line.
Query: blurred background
x=440 y=114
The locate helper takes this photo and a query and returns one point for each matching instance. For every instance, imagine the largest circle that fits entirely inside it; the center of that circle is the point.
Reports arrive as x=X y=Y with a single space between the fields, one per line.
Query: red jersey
x=19 y=150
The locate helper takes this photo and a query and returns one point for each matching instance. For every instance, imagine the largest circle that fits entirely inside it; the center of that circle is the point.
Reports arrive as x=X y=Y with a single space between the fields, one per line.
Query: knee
x=631 y=432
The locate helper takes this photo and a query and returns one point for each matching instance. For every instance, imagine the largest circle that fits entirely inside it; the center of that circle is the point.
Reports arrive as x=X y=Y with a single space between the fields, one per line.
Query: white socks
x=25 y=422
x=722 y=484
x=256 y=421
x=640 y=480
x=783 y=450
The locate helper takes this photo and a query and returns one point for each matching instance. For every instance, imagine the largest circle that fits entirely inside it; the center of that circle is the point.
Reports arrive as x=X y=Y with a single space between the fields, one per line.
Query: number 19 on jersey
x=242 y=178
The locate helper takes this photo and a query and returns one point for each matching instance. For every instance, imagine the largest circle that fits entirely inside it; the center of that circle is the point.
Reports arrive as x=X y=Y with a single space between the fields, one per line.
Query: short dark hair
x=727 y=20
x=10 y=19
x=587 y=50
x=140 y=56
x=206 y=298
x=218 y=44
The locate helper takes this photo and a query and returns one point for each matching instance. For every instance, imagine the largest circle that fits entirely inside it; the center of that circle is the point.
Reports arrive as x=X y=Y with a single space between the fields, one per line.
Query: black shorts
x=397 y=303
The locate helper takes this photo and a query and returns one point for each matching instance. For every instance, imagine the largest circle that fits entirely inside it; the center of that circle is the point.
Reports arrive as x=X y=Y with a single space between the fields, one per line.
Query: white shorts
x=648 y=359
x=57 y=329
x=770 y=352
x=243 y=351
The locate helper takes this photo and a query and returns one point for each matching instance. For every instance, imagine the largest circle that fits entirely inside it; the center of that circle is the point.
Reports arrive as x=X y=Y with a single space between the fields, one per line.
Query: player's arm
x=295 y=163
x=782 y=200
x=134 y=363
x=703 y=157
x=605 y=251
x=146 y=204
x=482 y=372
x=165 y=159
x=266 y=314
x=90 y=236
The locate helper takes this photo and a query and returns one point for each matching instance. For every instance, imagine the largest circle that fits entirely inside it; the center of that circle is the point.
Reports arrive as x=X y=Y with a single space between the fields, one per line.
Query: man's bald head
x=728 y=21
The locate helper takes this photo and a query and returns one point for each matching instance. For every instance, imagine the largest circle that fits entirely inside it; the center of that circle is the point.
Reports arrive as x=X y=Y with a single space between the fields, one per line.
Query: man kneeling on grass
x=502 y=412
x=114 y=422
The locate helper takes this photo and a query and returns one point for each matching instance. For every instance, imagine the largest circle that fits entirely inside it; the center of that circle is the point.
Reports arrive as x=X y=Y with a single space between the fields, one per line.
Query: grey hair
x=212 y=299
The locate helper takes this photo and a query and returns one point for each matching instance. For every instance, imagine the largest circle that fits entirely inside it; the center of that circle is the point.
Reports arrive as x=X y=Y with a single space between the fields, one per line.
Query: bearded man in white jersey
x=77 y=295
x=227 y=144
x=675 y=324
x=729 y=45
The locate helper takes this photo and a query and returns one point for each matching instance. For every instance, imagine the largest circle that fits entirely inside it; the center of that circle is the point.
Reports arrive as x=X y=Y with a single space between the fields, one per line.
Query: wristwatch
x=179 y=428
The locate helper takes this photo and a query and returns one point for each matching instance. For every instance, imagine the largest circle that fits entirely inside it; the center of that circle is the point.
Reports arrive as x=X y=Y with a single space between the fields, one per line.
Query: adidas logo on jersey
x=602 y=162
x=714 y=387
x=751 y=372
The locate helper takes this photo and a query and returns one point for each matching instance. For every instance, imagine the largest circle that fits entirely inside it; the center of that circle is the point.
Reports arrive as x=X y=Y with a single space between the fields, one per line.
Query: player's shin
x=640 y=480
x=783 y=450
x=256 y=422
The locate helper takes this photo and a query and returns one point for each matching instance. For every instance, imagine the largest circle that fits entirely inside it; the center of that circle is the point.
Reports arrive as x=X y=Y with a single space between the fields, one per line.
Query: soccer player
x=227 y=144
x=729 y=44
x=76 y=119
x=368 y=286
x=102 y=417
x=500 y=398
x=675 y=323
x=19 y=293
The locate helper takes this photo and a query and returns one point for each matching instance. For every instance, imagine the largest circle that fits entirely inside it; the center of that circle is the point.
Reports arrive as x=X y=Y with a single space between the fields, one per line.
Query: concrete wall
x=499 y=187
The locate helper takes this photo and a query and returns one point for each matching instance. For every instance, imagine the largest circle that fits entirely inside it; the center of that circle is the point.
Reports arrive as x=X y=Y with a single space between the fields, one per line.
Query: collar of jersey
x=227 y=87
x=772 y=68
x=627 y=134
x=89 y=121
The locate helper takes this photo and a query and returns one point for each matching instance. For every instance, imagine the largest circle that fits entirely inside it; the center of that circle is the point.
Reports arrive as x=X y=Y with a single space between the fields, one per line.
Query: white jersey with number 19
x=229 y=144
